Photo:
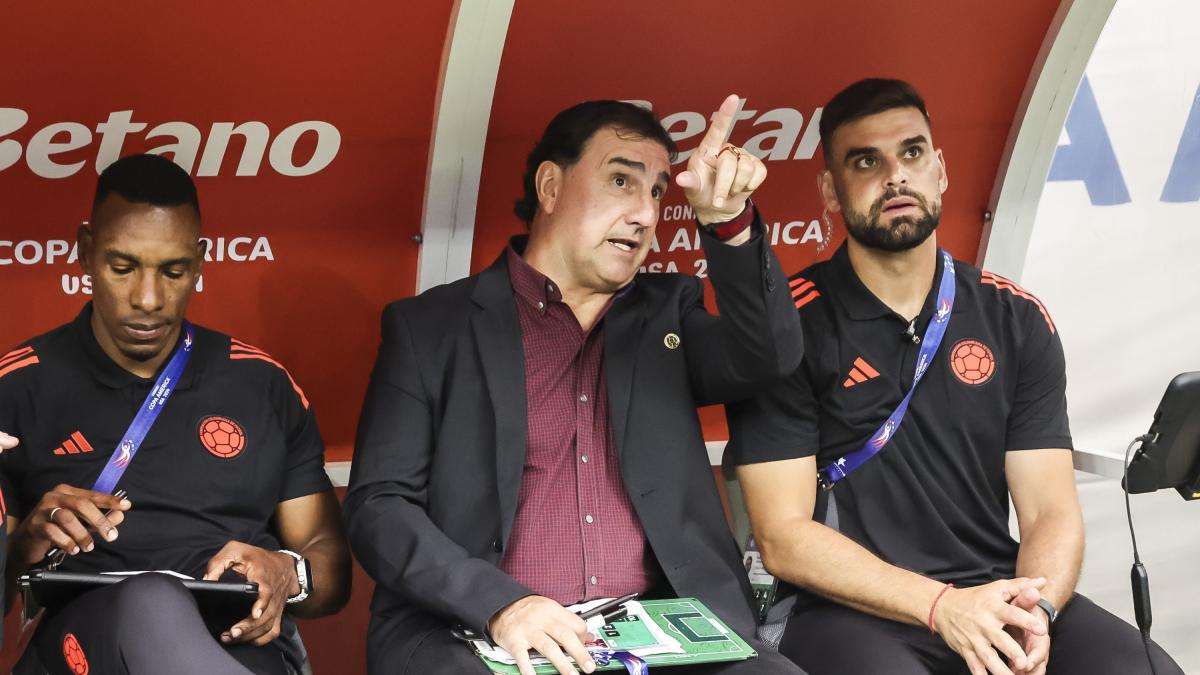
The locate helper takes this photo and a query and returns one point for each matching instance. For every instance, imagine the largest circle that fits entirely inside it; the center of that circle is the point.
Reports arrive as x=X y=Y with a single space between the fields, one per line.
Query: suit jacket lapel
x=498 y=336
x=622 y=334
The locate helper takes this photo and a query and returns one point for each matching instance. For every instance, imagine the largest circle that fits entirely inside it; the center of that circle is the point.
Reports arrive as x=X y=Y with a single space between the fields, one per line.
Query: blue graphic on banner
x=1183 y=183
x=1089 y=157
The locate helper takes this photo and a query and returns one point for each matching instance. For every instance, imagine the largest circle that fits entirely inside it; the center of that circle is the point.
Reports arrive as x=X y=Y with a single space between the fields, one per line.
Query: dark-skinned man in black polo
x=229 y=478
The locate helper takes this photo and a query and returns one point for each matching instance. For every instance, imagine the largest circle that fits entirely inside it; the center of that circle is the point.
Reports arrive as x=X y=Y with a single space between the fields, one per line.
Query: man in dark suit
x=530 y=440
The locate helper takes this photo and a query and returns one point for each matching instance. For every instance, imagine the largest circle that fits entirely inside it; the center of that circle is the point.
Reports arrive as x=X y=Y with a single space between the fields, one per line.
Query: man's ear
x=943 y=177
x=829 y=197
x=84 y=240
x=548 y=182
x=201 y=249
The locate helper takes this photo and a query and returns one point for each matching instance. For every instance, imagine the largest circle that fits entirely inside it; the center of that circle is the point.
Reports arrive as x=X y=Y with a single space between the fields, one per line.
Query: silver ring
x=53 y=511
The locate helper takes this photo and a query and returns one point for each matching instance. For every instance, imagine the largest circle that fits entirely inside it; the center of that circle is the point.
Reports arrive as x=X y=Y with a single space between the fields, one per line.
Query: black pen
x=606 y=606
x=595 y=623
x=54 y=556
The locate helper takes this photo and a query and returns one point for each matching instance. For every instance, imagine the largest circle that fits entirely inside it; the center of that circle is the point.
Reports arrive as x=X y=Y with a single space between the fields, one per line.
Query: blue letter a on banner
x=1183 y=183
x=1089 y=157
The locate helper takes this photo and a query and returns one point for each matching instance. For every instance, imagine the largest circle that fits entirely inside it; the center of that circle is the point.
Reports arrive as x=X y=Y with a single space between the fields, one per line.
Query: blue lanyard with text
x=934 y=333
x=147 y=414
x=635 y=665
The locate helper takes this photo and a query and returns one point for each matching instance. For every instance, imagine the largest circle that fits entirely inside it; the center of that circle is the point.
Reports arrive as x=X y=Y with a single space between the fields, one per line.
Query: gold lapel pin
x=671 y=340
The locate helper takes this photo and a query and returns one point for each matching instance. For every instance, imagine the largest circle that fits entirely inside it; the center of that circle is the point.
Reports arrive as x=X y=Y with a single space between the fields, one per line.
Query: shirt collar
x=111 y=375
x=534 y=287
x=862 y=305
x=529 y=284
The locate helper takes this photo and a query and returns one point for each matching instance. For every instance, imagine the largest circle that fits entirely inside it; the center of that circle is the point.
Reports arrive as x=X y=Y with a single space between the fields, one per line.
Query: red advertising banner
x=307 y=130
x=785 y=59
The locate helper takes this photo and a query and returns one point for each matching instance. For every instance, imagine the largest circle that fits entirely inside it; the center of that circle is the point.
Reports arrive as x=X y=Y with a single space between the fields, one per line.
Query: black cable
x=1139 y=580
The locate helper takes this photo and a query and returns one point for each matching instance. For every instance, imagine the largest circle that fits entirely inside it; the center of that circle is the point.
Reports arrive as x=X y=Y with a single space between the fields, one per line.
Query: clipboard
x=221 y=603
x=702 y=636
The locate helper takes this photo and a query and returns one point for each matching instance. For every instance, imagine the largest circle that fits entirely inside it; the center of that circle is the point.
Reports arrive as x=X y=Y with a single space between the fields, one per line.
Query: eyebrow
x=632 y=164
x=663 y=177
x=854 y=153
x=129 y=257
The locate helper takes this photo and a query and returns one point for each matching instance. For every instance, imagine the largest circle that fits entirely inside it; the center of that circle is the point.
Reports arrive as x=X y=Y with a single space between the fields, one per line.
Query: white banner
x=1114 y=248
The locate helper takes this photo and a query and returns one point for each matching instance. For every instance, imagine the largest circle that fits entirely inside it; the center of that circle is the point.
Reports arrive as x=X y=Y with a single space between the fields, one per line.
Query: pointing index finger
x=719 y=130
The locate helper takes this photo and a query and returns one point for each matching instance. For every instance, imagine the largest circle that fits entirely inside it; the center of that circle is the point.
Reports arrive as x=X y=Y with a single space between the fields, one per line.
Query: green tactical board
x=685 y=619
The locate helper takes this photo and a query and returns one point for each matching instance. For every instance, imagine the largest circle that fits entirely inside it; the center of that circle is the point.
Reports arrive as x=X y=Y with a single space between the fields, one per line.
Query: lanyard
x=634 y=664
x=147 y=414
x=934 y=333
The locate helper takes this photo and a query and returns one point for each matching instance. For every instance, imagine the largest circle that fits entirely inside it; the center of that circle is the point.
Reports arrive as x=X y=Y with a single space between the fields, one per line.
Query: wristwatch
x=303 y=575
x=1051 y=613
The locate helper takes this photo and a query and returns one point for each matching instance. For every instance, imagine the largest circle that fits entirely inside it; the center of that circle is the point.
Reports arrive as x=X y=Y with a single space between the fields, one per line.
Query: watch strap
x=1051 y=612
x=303 y=576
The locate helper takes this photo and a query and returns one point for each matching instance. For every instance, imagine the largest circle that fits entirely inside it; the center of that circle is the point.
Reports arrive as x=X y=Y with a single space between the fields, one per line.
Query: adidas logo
x=74 y=445
x=860 y=372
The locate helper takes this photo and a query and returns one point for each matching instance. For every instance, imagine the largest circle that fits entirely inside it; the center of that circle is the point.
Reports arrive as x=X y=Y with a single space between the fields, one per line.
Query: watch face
x=307 y=582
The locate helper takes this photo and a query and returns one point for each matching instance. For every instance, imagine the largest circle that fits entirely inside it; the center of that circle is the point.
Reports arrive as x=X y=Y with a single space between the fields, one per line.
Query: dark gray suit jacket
x=441 y=441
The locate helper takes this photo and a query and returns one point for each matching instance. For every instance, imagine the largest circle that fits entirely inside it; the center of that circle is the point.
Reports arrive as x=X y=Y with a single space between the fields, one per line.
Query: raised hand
x=720 y=177
x=536 y=622
x=973 y=622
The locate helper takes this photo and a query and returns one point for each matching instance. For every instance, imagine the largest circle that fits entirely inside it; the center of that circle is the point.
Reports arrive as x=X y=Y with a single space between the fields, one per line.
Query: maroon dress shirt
x=576 y=536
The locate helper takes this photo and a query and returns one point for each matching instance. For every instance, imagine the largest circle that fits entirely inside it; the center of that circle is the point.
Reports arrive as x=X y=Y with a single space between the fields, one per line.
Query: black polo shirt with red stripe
x=935 y=500
x=235 y=439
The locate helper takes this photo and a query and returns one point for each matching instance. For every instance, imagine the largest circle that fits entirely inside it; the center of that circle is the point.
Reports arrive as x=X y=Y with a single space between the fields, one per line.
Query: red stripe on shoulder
x=1010 y=286
x=804 y=300
x=803 y=290
x=15 y=355
x=239 y=350
x=17 y=365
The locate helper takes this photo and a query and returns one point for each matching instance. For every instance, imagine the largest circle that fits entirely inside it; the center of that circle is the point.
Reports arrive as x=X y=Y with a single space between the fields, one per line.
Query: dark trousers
x=146 y=624
x=441 y=653
x=830 y=639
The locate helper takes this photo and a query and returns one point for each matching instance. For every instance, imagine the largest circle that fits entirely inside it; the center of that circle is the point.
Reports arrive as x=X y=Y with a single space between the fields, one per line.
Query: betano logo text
x=183 y=140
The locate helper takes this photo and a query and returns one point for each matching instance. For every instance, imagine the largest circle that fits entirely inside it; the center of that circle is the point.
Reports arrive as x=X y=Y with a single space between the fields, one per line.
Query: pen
x=597 y=622
x=606 y=606
x=54 y=556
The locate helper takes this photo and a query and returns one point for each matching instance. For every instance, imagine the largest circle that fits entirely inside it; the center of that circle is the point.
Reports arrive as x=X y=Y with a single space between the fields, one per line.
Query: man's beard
x=903 y=233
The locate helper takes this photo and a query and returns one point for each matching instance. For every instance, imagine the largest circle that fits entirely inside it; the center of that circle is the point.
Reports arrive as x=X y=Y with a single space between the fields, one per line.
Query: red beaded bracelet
x=934 y=606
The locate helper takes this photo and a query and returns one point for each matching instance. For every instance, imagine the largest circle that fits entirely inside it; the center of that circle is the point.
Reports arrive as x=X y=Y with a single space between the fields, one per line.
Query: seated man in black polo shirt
x=229 y=479
x=913 y=570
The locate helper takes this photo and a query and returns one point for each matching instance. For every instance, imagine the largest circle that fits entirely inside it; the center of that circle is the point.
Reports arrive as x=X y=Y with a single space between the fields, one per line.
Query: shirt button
x=541 y=305
x=583 y=397
x=585 y=459
x=588 y=518
x=593 y=580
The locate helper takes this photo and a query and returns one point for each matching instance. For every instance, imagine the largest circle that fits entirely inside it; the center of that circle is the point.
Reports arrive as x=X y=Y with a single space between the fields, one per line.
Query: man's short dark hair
x=863 y=98
x=147 y=179
x=565 y=137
